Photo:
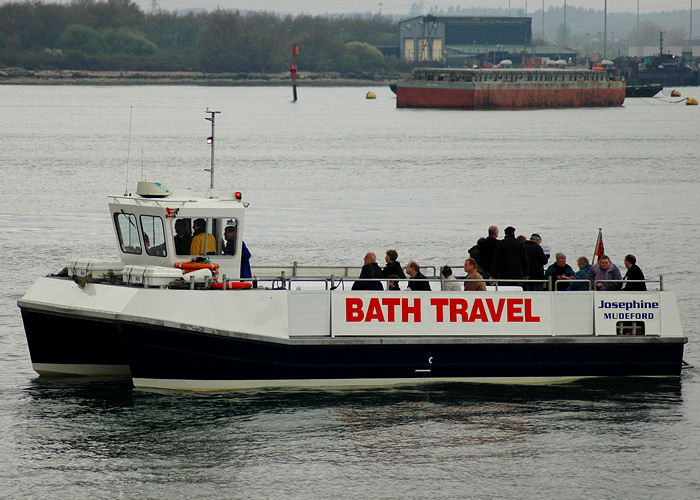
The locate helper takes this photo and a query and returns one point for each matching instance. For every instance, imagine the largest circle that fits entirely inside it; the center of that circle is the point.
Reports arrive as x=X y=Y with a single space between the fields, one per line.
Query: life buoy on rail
x=232 y=285
x=195 y=266
x=189 y=267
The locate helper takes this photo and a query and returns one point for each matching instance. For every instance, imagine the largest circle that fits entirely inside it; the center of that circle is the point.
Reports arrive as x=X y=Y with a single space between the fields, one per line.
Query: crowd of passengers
x=511 y=258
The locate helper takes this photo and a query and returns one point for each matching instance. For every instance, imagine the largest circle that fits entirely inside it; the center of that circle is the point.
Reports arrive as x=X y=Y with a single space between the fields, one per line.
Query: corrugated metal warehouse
x=453 y=40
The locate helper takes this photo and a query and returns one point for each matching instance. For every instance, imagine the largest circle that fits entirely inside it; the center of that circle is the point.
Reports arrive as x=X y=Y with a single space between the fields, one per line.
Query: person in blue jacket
x=230 y=249
x=583 y=267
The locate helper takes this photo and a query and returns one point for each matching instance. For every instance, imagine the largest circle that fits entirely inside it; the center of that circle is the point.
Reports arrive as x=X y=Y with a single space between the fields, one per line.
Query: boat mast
x=210 y=141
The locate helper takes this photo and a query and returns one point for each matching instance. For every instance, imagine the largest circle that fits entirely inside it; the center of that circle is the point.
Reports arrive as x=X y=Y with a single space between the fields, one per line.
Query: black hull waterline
x=190 y=359
x=645 y=90
x=62 y=343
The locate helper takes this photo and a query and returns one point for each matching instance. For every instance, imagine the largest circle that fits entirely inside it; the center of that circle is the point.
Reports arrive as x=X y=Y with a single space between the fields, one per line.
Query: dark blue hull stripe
x=156 y=352
x=55 y=338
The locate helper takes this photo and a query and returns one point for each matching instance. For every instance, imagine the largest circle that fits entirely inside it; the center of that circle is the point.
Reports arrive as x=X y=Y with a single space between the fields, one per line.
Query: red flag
x=599 y=249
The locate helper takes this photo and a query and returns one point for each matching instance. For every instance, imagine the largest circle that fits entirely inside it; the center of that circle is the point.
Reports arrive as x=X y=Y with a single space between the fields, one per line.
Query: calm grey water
x=329 y=178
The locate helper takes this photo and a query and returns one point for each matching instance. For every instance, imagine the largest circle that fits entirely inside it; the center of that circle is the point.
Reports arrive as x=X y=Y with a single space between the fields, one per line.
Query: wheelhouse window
x=153 y=235
x=127 y=232
x=205 y=236
x=204 y=241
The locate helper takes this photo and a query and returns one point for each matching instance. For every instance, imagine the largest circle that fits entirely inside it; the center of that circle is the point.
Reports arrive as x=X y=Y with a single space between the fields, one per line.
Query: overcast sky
x=403 y=6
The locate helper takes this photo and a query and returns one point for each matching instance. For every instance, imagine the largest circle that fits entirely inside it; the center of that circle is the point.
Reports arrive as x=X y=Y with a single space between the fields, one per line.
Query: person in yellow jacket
x=199 y=237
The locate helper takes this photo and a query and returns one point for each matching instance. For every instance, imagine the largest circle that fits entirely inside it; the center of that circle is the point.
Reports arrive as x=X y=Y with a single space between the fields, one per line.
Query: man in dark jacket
x=413 y=270
x=510 y=260
x=559 y=272
x=633 y=273
x=536 y=259
x=370 y=270
x=486 y=250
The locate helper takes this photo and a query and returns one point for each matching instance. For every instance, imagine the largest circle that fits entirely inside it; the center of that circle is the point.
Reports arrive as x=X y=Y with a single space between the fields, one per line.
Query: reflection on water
x=109 y=415
x=77 y=433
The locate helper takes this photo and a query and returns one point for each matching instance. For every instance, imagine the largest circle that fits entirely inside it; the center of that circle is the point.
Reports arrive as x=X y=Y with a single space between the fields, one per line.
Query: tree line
x=118 y=35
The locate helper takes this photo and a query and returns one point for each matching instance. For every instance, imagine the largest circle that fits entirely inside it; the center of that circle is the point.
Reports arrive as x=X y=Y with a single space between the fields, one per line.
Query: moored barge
x=509 y=88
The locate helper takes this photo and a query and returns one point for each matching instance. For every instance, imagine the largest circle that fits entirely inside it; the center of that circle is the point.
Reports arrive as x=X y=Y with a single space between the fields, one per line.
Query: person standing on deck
x=370 y=270
x=604 y=269
x=472 y=274
x=536 y=259
x=393 y=267
x=486 y=251
x=559 y=271
x=450 y=283
x=413 y=270
x=510 y=259
x=633 y=273
x=583 y=267
x=230 y=249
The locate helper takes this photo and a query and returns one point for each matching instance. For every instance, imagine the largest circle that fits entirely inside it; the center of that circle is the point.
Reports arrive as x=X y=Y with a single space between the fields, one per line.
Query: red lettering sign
x=484 y=310
x=515 y=310
x=414 y=309
x=529 y=318
x=495 y=313
x=458 y=307
x=439 y=308
x=374 y=311
x=478 y=311
x=353 y=309
x=391 y=304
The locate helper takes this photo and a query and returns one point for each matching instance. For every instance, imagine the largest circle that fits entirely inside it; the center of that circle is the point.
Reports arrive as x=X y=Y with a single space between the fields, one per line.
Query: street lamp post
x=564 y=37
x=605 y=30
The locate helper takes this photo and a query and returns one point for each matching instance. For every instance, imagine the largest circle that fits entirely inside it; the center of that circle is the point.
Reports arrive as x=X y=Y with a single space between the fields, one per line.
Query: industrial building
x=466 y=40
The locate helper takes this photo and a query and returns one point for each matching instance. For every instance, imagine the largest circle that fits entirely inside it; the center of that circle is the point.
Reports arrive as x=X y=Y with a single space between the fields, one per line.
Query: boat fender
x=232 y=285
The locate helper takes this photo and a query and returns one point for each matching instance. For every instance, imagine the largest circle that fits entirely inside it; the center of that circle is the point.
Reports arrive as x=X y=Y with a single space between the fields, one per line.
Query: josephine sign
x=419 y=313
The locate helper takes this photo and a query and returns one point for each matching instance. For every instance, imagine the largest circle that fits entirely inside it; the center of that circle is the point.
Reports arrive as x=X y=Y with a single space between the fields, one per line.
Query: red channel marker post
x=293 y=71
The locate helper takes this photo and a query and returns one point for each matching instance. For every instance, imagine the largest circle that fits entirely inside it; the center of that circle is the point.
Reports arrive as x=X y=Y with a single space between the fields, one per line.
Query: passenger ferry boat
x=508 y=88
x=173 y=318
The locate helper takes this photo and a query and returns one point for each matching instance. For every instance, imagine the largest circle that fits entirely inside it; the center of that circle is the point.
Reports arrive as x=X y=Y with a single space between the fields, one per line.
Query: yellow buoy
x=370 y=95
x=691 y=101
x=675 y=93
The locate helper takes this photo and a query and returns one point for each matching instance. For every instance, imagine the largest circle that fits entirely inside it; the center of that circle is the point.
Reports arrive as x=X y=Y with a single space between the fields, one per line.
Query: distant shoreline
x=18 y=76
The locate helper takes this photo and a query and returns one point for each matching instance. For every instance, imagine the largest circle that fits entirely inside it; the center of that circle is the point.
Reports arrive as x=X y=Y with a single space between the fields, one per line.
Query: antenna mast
x=210 y=140
x=128 y=154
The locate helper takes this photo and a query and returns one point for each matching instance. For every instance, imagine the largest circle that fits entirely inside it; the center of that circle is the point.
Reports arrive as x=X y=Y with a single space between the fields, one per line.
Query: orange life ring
x=232 y=285
x=194 y=266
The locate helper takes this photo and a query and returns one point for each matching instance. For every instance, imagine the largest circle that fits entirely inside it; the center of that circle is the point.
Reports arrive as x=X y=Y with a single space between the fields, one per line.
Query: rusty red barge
x=509 y=88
